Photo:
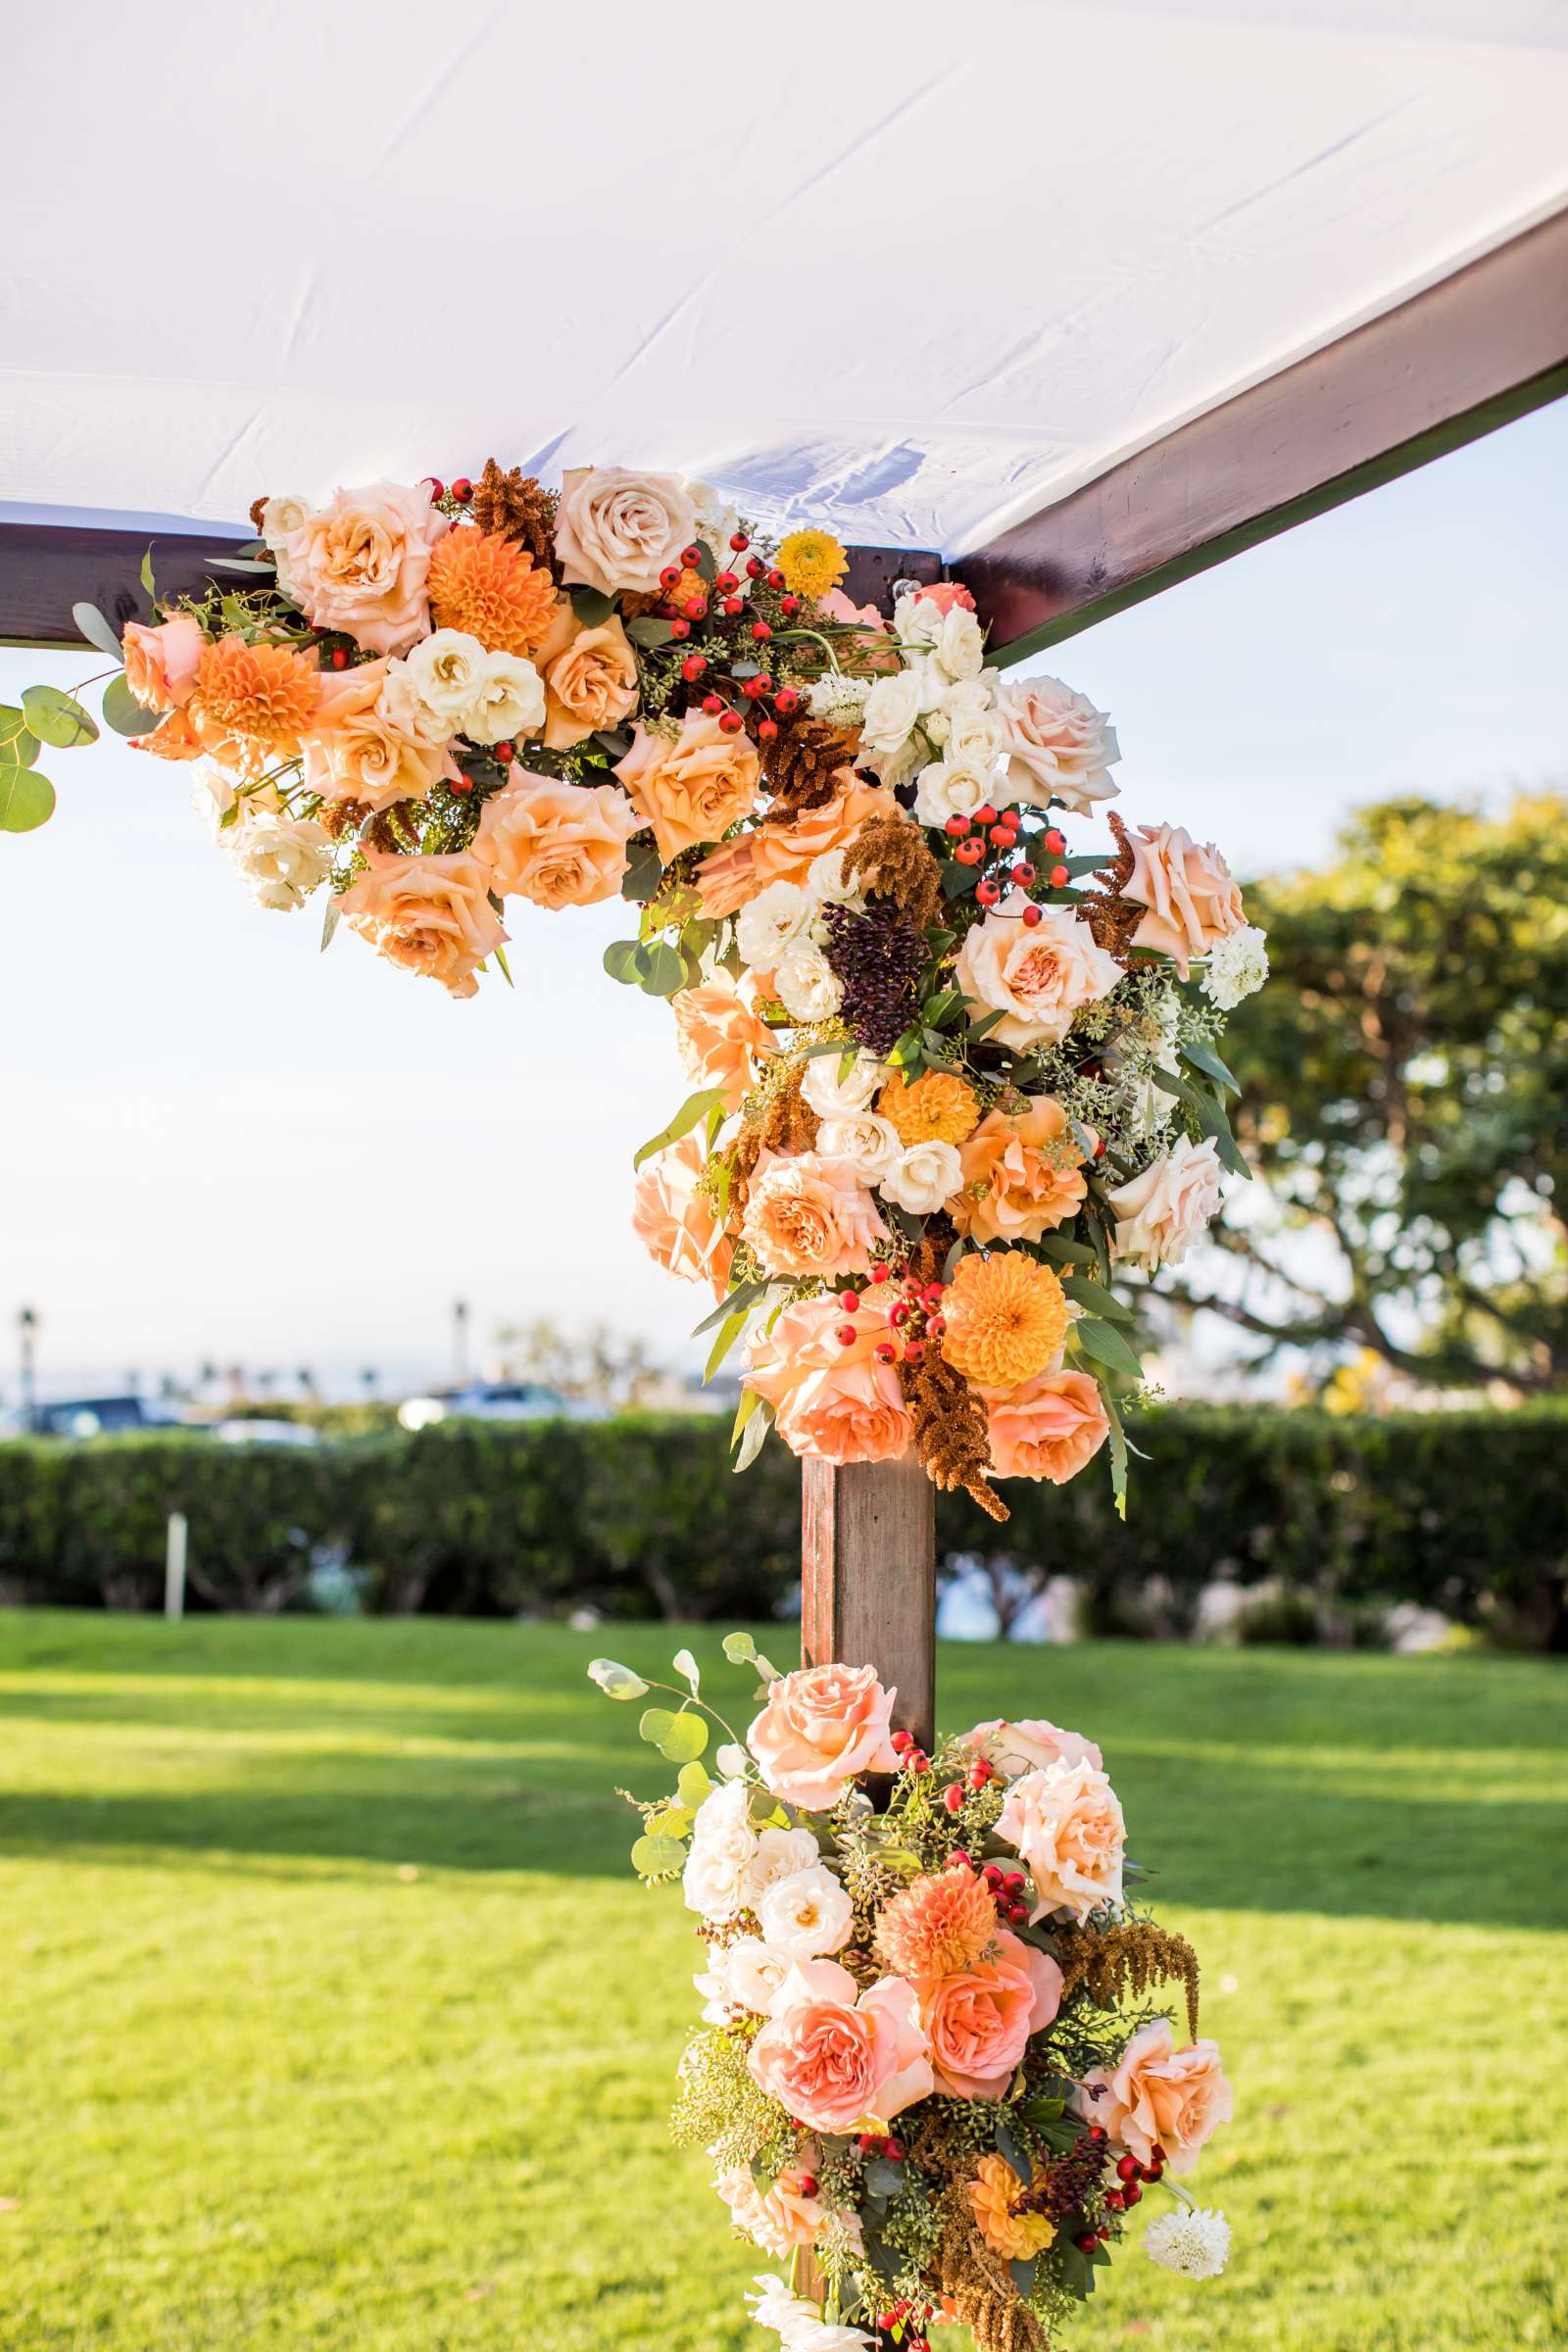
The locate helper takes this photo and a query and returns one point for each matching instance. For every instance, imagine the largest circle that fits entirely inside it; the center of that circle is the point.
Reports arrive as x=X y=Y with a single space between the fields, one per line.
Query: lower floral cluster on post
x=933 y=2074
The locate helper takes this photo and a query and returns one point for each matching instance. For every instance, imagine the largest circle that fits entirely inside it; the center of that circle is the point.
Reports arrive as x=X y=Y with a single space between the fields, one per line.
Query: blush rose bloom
x=558 y=844
x=1066 y=1823
x=429 y=914
x=1057 y=743
x=978 y=2021
x=838 y=2059
x=832 y=1403
x=1188 y=889
x=1160 y=1213
x=691 y=787
x=778 y=2221
x=820 y=1727
x=720 y=1034
x=733 y=874
x=810 y=1215
x=616 y=529
x=1038 y=979
x=1030 y=1744
x=361 y=565
x=677 y=1224
x=161 y=663
x=591 y=683
x=1049 y=1427
x=1159 y=2096
x=1021 y=1174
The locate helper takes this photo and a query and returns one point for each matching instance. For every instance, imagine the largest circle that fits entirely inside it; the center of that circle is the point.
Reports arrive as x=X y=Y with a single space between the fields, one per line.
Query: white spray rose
x=959 y=650
x=975 y=732
x=509 y=701
x=872 y=1145
x=771 y=922
x=400 y=707
x=283 y=858
x=891 y=712
x=808 y=987
x=779 y=1854
x=443 y=674
x=835 y=1097
x=924 y=1177
x=280 y=516
x=949 y=788
x=723 y=1851
x=807 y=1915
x=826 y=882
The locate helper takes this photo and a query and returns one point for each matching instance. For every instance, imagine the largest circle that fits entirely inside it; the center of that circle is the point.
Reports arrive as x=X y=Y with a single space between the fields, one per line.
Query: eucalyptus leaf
x=239 y=564
x=686 y=1665
x=956 y=880
x=685 y=1740
x=729 y=1331
x=614 y=1680
x=123 y=713
x=744 y=1294
x=27 y=799
x=658 y=1858
x=654 y=1724
x=695 y=1108
x=1203 y=1057
x=592 y=607
x=644 y=871
x=664 y=972
x=624 y=960
x=884 y=2178
x=757 y=1429
x=330 y=923
x=19 y=746
x=693 y=1785
x=56 y=717
x=147 y=580
x=739 y=1648
x=648 y=629
x=99 y=632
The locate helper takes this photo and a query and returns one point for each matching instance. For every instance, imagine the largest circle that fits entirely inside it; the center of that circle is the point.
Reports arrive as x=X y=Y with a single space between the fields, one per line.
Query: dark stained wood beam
x=47 y=567
x=1470 y=354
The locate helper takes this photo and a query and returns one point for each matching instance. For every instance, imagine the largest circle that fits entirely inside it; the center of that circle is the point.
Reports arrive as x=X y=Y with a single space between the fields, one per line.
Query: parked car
x=87 y=1417
x=497 y=1401
x=242 y=1432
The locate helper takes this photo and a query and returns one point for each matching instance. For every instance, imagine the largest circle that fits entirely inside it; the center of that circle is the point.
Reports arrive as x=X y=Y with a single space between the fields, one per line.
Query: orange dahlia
x=492 y=589
x=252 y=704
x=1007 y=1316
x=1014 y=2237
x=936 y=1926
x=937 y=1109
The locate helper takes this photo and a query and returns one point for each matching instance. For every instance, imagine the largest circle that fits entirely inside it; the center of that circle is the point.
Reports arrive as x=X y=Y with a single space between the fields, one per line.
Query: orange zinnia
x=1007 y=1316
x=937 y=1109
x=252 y=704
x=492 y=589
x=936 y=1927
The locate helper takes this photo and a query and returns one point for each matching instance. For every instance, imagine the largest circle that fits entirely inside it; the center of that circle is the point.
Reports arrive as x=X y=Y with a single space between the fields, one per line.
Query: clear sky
x=218 y=1142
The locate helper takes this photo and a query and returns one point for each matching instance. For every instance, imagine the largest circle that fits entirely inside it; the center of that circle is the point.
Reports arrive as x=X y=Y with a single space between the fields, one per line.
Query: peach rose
x=616 y=529
x=691 y=787
x=361 y=564
x=720 y=1034
x=1037 y=979
x=678 y=1225
x=561 y=844
x=779 y=2219
x=174 y=738
x=1049 y=1427
x=977 y=2021
x=591 y=683
x=944 y=593
x=1021 y=1174
x=1057 y=743
x=357 y=749
x=807 y=1214
x=428 y=914
x=1066 y=1823
x=733 y=874
x=1030 y=1744
x=820 y=1727
x=1160 y=1213
x=838 y=2059
x=832 y=1403
x=161 y=663
x=1159 y=2096
x=1190 y=898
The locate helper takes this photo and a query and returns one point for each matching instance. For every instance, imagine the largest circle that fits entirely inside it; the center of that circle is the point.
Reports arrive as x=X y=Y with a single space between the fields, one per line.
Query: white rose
x=918 y=621
x=723 y=1851
x=872 y=1145
x=745 y=1975
x=835 y=1097
x=826 y=883
x=891 y=712
x=1238 y=966
x=774 y=920
x=951 y=788
x=808 y=987
x=716 y=521
x=1058 y=744
x=400 y=707
x=213 y=792
x=924 y=1176
x=511 y=701
x=1160 y=1213
x=283 y=859
x=780 y=1853
x=443 y=674
x=280 y=516
x=959 y=650
x=616 y=529
x=807 y=1915
x=975 y=730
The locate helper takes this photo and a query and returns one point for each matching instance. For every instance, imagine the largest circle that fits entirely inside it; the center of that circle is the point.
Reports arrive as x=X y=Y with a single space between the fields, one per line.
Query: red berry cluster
x=905 y=2327
x=1130 y=2173
x=877 y=2143
x=988 y=839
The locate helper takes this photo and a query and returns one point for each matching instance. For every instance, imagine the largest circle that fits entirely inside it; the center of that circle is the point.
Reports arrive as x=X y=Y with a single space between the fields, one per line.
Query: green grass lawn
x=332 y=2017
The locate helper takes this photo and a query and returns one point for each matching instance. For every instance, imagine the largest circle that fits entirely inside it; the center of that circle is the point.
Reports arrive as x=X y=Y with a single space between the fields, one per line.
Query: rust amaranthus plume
x=951 y=1435
x=1130 y=1957
x=516 y=506
x=890 y=855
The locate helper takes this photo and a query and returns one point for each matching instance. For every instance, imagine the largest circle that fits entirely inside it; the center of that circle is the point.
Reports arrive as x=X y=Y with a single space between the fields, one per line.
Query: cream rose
x=510 y=701
x=283 y=859
x=806 y=983
x=1066 y=1826
x=1193 y=903
x=891 y=714
x=1058 y=744
x=923 y=1177
x=835 y=1092
x=1160 y=1213
x=1039 y=979
x=443 y=679
x=872 y=1145
x=1031 y=1745
x=952 y=788
x=774 y=920
x=361 y=565
x=281 y=518
x=616 y=529
x=591 y=685
x=558 y=844
x=960 y=647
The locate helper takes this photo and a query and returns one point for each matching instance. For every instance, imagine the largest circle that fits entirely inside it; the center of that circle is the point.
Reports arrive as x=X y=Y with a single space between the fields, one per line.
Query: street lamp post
x=28 y=1334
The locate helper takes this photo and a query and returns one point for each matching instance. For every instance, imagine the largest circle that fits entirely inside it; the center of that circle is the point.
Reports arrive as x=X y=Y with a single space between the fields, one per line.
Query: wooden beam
x=1471 y=353
x=868 y=1578
x=47 y=567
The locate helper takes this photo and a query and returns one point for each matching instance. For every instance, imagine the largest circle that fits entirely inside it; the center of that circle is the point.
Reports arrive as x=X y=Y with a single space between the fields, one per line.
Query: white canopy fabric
x=913 y=269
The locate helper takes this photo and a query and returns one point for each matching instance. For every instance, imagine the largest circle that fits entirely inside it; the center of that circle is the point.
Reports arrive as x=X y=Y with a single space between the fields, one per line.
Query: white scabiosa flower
x=1238 y=966
x=837 y=698
x=872 y=1145
x=772 y=923
x=924 y=1177
x=833 y=1095
x=1194 y=2241
x=808 y=987
x=283 y=859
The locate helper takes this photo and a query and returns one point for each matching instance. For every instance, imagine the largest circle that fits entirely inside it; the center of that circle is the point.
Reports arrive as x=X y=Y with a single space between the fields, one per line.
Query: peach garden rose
x=558 y=844
x=1188 y=889
x=978 y=2020
x=161 y=663
x=818 y=1728
x=1066 y=1825
x=617 y=528
x=1159 y=2096
x=1021 y=1174
x=693 y=786
x=363 y=564
x=429 y=914
x=831 y=1402
x=677 y=1224
x=809 y=1215
x=590 y=684
x=1049 y=1427
x=838 y=2059
x=721 y=1037
x=1039 y=979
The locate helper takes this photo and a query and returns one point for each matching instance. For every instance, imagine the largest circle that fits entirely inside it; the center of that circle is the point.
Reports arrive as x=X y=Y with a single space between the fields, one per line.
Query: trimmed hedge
x=642 y=1517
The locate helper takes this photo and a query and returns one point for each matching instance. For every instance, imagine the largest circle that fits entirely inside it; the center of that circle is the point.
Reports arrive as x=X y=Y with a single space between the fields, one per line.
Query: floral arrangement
x=950 y=1078
x=929 y=2073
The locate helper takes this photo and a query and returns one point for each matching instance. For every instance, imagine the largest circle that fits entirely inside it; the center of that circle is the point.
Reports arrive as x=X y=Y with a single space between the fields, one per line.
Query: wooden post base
x=868 y=1573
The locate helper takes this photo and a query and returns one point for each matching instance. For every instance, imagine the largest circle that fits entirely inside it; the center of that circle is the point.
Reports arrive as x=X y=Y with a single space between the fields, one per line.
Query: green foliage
x=1405 y=1076
x=640 y=1518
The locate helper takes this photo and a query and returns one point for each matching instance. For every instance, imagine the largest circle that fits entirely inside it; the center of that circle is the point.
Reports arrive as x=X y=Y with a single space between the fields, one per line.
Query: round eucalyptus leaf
x=123 y=713
x=26 y=800
x=658 y=1858
x=56 y=717
x=99 y=632
x=655 y=1726
x=685 y=1739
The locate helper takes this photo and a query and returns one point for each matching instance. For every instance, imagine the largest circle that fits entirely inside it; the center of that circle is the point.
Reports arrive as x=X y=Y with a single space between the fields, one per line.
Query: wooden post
x=868 y=1575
